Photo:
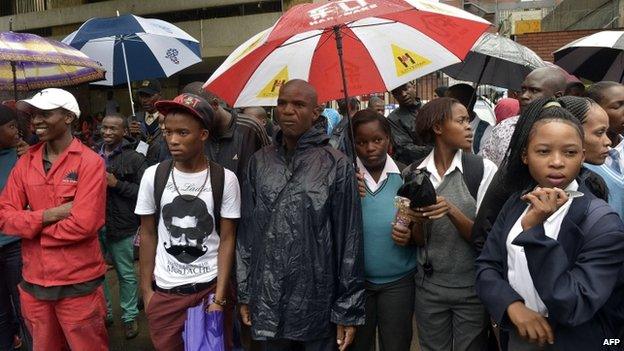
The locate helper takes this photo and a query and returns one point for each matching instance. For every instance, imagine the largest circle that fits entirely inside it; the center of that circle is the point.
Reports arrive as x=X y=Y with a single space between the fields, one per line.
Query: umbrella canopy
x=377 y=44
x=498 y=61
x=42 y=63
x=596 y=57
x=153 y=48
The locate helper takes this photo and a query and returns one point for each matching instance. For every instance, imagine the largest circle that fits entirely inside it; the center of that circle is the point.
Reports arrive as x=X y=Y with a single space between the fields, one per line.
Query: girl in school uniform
x=595 y=122
x=548 y=273
x=448 y=311
x=610 y=96
x=389 y=255
x=596 y=143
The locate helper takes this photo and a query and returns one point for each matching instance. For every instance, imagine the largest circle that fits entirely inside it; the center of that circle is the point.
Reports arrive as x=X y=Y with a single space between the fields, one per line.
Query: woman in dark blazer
x=572 y=296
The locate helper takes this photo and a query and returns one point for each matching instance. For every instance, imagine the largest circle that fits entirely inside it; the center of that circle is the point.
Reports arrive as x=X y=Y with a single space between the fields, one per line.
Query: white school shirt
x=389 y=167
x=489 y=169
x=518 y=273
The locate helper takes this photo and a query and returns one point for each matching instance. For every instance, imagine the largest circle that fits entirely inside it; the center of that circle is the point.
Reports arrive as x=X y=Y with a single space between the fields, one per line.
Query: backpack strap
x=478 y=135
x=160 y=181
x=217 y=181
x=473 y=172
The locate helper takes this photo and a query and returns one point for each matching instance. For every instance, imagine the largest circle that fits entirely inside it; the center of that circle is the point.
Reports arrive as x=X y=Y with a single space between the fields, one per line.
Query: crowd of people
x=273 y=224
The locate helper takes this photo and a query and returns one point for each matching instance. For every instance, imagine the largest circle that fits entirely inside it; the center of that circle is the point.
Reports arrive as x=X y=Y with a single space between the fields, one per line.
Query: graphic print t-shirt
x=187 y=246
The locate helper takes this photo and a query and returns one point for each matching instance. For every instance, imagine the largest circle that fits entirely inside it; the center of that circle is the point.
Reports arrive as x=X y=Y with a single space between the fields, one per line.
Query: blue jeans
x=11 y=321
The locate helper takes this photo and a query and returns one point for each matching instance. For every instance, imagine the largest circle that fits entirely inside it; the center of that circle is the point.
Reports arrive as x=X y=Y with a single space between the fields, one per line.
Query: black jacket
x=234 y=148
x=497 y=194
x=299 y=248
x=407 y=144
x=128 y=167
x=157 y=151
x=578 y=276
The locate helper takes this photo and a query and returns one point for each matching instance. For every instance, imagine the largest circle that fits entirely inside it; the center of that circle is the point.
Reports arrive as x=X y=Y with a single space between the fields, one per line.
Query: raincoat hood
x=315 y=136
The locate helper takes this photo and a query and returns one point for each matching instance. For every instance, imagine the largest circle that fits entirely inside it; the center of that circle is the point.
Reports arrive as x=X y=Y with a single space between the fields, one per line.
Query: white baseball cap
x=53 y=98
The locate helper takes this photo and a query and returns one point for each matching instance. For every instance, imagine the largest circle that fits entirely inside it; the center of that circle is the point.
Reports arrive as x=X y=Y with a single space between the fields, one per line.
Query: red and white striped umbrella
x=385 y=43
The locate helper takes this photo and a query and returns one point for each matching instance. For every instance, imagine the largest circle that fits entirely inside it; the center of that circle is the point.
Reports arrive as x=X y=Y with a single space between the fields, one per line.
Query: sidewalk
x=117 y=340
x=142 y=342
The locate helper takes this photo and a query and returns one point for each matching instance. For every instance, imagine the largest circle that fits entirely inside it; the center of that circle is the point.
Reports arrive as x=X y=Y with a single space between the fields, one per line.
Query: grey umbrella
x=496 y=60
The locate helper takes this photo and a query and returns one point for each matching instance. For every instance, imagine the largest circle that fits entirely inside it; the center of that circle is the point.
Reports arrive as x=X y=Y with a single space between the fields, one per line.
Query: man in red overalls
x=55 y=199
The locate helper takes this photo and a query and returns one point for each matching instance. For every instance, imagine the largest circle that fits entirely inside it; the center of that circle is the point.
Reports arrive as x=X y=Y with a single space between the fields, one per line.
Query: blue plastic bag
x=203 y=330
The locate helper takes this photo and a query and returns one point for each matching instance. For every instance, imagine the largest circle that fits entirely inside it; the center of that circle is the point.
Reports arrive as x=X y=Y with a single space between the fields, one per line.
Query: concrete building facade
x=219 y=25
x=585 y=14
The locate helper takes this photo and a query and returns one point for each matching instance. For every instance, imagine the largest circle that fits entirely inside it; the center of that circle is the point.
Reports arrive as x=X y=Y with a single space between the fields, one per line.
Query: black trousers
x=389 y=313
x=11 y=321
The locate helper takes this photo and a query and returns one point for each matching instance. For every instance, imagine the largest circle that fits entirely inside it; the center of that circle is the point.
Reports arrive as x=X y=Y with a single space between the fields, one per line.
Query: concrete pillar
x=621 y=13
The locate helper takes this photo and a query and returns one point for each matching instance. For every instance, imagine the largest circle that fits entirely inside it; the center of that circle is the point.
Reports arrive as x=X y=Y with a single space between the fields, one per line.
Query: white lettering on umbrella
x=337 y=9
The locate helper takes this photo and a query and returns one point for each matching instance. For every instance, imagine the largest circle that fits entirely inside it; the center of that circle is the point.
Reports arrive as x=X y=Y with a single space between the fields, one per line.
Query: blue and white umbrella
x=133 y=48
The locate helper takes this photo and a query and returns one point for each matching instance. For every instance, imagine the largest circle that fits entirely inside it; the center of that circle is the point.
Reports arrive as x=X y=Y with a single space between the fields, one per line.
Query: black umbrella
x=596 y=57
x=496 y=60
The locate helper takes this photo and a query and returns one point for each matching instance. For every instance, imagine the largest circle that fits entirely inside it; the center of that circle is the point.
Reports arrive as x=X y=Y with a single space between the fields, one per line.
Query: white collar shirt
x=489 y=169
x=389 y=167
x=518 y=273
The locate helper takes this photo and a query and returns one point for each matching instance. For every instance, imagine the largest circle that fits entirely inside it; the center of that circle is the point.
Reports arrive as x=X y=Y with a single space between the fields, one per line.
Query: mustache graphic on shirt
x=185 y=253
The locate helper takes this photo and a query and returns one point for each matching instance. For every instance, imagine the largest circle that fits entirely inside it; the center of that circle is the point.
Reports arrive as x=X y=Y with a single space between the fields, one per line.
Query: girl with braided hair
x=610 y=96
x=506 y=181
x=548 y=273
x=595 y=125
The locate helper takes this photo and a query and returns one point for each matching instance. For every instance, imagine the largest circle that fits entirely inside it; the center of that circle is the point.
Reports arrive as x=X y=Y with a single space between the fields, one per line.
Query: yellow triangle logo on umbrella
x=271 y=89
x=406 y=61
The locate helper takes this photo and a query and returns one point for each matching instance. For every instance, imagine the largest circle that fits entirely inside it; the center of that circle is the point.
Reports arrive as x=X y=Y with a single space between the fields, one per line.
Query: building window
x=10 y=7
x=6 y=7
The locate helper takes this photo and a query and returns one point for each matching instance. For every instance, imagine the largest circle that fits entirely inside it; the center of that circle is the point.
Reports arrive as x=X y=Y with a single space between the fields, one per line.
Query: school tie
x=615 y=160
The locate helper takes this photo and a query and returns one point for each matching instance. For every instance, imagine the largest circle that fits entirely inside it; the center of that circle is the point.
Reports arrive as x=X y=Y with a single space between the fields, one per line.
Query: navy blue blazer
x=579 y=276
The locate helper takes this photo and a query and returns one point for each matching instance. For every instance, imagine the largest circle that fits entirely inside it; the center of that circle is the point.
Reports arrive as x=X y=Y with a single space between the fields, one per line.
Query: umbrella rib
x=302 y=39
x=351 y=36
x=324 y=41
x=348 y=26
x=371 y=24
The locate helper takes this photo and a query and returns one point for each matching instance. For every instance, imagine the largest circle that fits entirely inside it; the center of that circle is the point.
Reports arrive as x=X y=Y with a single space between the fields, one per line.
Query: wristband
x=221 y=302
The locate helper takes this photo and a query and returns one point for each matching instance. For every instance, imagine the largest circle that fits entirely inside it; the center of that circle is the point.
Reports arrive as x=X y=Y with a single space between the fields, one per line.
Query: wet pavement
x=117 y=339
x=142 y=342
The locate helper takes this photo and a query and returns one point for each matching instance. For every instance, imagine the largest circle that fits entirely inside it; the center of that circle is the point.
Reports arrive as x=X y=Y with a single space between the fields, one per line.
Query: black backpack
x=217 y=180
x=473 y=172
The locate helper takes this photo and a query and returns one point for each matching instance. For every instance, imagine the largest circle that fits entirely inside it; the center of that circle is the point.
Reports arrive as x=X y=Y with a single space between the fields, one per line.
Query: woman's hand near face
x=543 y=203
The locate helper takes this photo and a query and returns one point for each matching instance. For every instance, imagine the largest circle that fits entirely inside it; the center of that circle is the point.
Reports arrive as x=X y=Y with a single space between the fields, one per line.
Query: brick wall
x=545 y=43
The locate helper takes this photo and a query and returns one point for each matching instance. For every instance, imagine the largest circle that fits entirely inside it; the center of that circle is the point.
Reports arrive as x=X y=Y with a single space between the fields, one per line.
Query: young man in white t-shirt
x=183 y=258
